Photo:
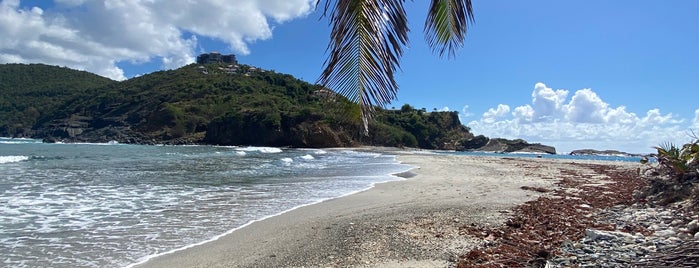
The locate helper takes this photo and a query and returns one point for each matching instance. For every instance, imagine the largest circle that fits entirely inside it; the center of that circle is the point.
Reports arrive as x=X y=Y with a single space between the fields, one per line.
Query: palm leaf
x=446 y=25
x=367 y=40
x=366 y=44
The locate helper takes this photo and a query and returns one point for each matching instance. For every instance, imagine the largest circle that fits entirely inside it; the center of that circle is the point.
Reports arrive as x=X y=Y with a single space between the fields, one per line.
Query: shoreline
x=400 y=176
x=414 y=221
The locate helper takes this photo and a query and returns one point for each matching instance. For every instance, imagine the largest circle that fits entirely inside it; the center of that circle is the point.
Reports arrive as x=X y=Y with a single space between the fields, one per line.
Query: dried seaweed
x=538 y=228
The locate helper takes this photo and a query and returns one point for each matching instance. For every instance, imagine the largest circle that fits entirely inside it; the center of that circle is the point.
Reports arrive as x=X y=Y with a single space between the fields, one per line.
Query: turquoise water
x=110 y=205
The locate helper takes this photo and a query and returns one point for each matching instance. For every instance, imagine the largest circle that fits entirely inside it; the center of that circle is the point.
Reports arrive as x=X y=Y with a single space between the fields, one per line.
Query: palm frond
x=366 y=44
x=446 y=25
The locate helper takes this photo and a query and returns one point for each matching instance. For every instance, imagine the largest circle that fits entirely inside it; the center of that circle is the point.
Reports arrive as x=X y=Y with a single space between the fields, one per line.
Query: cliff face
x=438 y=130
x=259 y=128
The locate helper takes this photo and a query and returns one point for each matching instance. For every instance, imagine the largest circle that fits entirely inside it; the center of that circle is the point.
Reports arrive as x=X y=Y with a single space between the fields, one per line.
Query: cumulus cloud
x=524 y=113
x=493 y=114
x=583 y=121
x=96 y=35
x=546 y=101
x=585 y=107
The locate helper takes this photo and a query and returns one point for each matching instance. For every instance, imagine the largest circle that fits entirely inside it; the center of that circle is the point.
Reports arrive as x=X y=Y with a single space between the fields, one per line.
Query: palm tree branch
x=366 y=43
x=446 y=25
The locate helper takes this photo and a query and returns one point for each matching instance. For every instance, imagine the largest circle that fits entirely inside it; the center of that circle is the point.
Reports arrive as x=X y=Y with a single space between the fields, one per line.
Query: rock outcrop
x=512 y=146
x=605 y=152
x=257 y=128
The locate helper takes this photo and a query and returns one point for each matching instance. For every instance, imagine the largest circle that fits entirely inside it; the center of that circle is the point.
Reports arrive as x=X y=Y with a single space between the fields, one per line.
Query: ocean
x=622 y=158
x=113 y=205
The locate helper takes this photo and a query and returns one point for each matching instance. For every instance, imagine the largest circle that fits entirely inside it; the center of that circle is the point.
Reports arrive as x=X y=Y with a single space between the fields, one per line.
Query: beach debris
x=535 y=233
x=536 y=189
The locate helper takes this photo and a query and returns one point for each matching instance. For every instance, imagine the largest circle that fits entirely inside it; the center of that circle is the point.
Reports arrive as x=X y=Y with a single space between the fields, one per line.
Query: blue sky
x=573 y=74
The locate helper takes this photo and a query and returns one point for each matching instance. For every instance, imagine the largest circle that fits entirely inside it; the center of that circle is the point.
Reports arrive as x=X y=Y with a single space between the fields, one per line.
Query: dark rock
x=318 y=135
x=518 y=145
x=475 y=142
x=259 y=128
x=49 y=140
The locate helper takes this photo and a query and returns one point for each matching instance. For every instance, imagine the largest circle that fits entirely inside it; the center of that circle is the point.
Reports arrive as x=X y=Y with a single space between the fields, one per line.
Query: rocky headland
x=217 y=105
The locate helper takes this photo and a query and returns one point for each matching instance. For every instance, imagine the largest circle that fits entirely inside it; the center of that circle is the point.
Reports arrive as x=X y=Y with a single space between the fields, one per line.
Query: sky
x=597 y=74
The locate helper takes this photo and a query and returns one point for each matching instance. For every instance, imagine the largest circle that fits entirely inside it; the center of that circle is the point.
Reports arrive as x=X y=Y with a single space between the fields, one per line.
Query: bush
x=675 y=176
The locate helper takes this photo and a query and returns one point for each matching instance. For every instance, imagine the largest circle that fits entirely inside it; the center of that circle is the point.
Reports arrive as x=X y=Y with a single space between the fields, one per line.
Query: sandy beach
x=416 y=222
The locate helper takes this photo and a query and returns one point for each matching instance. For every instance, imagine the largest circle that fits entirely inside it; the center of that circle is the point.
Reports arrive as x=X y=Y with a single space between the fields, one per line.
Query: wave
x=7 y=140
x=388 y=178
x=92 y=143
x=266 y=150
x=13 y=159
x=286 y=161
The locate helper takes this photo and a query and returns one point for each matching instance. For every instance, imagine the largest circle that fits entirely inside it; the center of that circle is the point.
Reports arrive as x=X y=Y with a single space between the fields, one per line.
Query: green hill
x=30 y=92
x=209 y=104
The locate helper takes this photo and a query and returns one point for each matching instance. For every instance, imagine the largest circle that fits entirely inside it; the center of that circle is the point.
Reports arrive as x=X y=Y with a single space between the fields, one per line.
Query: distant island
x=603 y=152
x=220 y=102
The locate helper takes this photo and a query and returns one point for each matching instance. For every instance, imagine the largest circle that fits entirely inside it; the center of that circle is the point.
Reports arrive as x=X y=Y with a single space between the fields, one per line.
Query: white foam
x=13 y=142
x=240 y=153
x=92 y=143
x=9 y=140
x=287 y=161
x=106 y=212
x=267 y=150
x=391 y=177
x=13 y=158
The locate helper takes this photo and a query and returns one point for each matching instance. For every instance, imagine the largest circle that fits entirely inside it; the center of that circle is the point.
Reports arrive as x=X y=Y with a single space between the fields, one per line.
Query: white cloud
x=96 y=35
x=546 y=101
x=465 y=112
x=493 y=114
x=583 y=121
x=695 y=122
x=585 y=107
x=524 y=113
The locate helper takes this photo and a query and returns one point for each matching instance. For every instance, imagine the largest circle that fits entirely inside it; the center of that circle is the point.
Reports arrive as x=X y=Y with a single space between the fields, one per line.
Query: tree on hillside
x=367 y=40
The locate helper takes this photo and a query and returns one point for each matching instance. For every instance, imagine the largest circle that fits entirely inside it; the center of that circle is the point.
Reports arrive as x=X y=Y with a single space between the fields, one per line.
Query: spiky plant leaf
x=446 y=25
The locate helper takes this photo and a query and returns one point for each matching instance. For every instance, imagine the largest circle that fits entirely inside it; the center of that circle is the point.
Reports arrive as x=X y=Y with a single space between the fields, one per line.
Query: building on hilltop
x=215 y=57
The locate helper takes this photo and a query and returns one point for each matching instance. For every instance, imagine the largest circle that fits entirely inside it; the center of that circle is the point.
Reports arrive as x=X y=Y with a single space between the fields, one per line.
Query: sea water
x=112 y=205
x=622 y=158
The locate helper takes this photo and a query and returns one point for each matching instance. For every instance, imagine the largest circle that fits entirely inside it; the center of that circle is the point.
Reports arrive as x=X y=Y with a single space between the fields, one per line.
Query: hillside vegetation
x=210 y=104
x=34 y=91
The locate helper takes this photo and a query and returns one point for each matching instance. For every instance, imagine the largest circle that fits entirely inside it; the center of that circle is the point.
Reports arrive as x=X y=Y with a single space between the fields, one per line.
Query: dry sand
x=411 y=223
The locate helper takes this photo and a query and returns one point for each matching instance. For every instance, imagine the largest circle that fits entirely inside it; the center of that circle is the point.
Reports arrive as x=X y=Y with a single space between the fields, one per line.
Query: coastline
x=414 y=222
